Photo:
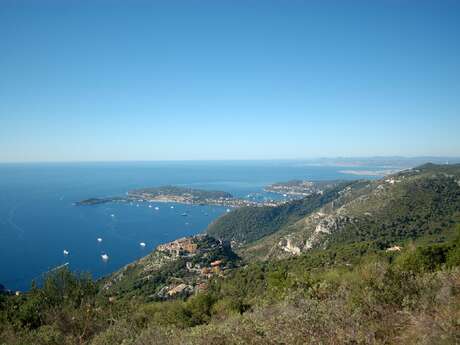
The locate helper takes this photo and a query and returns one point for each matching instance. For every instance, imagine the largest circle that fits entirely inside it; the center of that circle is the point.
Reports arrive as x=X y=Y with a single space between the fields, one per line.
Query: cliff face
x=177 y=268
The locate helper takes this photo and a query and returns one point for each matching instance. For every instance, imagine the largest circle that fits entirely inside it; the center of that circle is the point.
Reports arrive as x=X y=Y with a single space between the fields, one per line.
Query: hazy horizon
x=427 y=159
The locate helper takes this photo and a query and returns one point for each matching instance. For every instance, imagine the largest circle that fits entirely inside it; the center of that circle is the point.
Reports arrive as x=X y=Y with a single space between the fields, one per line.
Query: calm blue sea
x=38 y=219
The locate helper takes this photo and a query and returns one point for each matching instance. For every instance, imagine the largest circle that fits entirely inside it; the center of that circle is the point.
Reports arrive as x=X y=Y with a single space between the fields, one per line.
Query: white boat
x=172 y=206
x=65 y=252
x=228 y=210
x=99 y=239
x=150 y=206
x=104 y=257
x=142 y=244
x=112 y=215
x=156 y=208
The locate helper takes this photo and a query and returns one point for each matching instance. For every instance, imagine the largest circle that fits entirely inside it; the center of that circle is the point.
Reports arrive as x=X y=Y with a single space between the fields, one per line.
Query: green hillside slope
x=248 y=224
x=418 y=202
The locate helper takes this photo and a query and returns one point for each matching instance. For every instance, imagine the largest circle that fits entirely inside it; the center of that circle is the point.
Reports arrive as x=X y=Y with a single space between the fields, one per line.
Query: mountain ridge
x=398 y=207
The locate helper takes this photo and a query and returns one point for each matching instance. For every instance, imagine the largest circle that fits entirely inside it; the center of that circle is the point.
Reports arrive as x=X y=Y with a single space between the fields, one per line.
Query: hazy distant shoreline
x=369 y=172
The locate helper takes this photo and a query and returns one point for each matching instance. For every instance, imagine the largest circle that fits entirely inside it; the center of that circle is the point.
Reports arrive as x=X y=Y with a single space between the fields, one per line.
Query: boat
x=142 y=244
x=184 y=214
x=172 y=206
x=65 y=252
x=156 y=208
x=228 y=210
x=150 y=206
x=112 y=215
x=105 y=257
x=99 y=239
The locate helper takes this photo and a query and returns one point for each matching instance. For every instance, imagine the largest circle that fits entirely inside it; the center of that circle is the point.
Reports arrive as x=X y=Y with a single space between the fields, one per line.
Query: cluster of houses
x=200 y=284
x=187 y=248
x=216 y=267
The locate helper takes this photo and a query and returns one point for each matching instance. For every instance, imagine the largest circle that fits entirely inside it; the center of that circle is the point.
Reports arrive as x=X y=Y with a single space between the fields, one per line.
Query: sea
x=39 y=221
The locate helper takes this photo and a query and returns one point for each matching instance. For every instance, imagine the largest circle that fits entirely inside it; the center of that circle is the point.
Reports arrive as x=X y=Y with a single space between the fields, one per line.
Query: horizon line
x=232 y=159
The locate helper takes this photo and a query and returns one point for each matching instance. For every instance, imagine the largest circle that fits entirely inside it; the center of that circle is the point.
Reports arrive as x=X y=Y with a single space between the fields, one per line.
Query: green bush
x=423 y=259
x=162 y=314
x=199 y=307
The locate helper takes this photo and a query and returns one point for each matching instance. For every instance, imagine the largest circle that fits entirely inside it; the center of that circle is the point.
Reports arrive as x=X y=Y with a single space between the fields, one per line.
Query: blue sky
x=160 y=80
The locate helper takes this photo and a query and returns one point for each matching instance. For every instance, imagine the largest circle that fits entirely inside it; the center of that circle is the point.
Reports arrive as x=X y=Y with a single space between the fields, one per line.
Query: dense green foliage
x=334 y=296
x=248 y=224
x=422 y=207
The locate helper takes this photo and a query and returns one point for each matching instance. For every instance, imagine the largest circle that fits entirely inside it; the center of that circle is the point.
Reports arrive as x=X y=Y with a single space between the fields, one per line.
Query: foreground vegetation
x=336 y=296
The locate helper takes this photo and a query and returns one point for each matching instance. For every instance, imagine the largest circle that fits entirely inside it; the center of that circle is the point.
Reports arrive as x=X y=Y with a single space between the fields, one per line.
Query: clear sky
x=156 y=80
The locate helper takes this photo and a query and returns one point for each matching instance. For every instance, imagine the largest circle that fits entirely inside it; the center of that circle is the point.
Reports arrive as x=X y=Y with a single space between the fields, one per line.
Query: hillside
x=405 y=206
x=407 y=297
x=248 y=224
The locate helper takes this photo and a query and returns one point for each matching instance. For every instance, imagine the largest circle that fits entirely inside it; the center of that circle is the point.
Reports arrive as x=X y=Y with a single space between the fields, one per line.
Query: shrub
x=423 y=259
x=199 y=307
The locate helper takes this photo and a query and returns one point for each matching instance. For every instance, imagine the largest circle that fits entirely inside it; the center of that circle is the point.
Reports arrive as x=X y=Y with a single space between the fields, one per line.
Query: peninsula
x=177 y=194
x=181 y=195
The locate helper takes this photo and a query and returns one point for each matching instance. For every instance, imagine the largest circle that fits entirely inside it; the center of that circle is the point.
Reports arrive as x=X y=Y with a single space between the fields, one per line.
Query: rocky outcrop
x=287 y=245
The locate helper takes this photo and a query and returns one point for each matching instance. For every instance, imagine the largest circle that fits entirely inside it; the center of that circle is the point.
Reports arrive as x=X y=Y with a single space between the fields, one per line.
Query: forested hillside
x=248 y=224
x=382 y=213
